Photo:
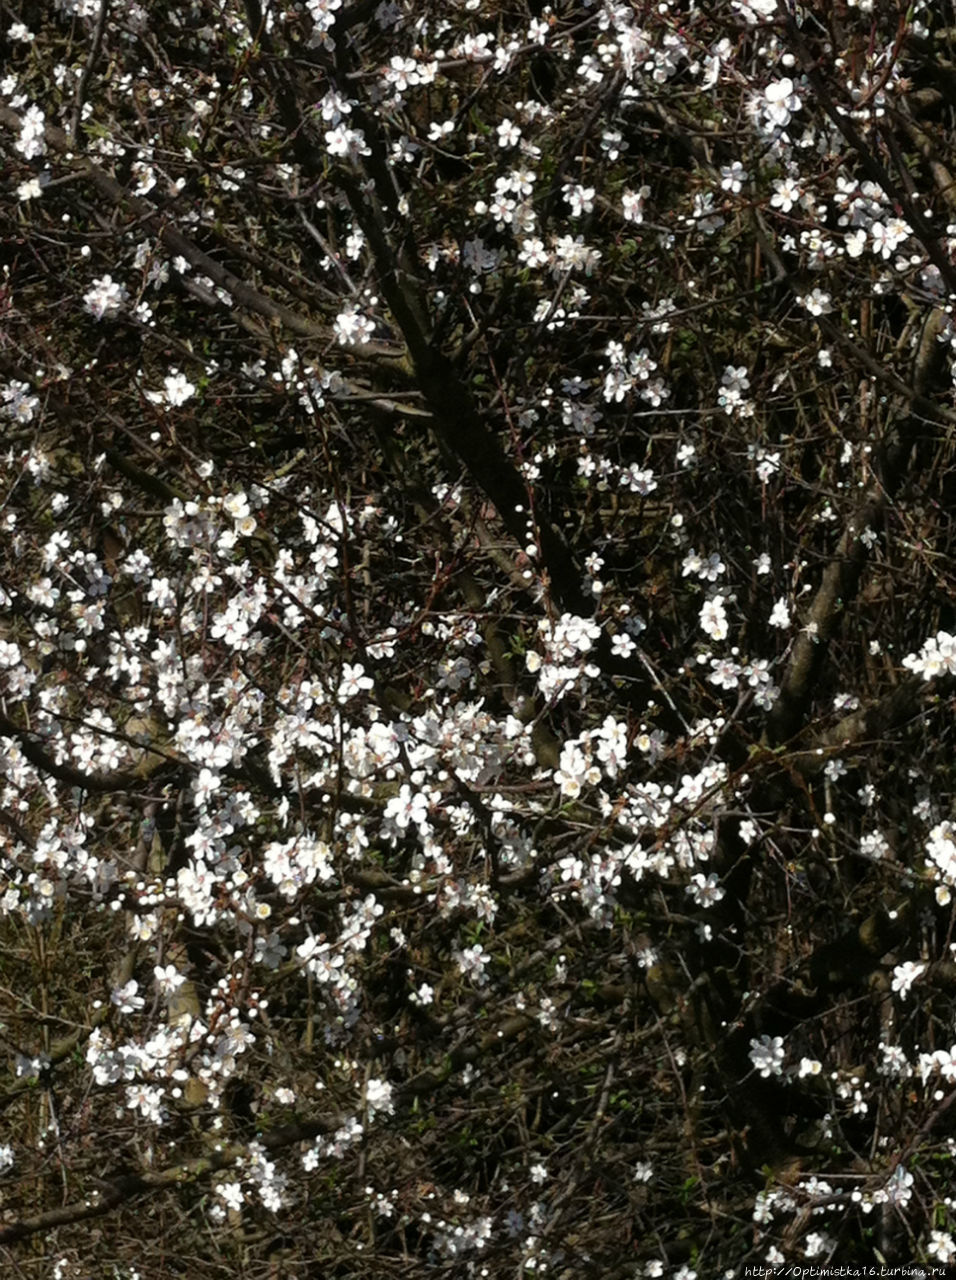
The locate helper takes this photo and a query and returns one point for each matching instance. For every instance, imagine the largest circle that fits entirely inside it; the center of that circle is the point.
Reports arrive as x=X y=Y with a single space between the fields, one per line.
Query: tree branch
x=157 y=221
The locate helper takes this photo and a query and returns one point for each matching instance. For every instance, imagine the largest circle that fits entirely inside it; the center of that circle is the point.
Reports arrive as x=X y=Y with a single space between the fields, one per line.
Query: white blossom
x=713 y=618
x=106 y=299
x=767 y=1055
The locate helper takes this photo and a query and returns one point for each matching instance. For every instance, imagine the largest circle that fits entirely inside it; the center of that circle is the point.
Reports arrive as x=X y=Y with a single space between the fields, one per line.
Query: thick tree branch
x=157 y=221
x=115 y=1192
x=456 y=422
x=116 y=780
x=841 y=578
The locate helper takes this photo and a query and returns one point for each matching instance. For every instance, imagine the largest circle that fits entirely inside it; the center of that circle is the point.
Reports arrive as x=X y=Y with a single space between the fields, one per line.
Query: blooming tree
x=476 y=610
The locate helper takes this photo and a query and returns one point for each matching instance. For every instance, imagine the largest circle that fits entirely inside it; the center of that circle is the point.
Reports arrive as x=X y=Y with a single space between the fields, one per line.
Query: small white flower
x=32 y=140
x=732 y=177
x=713 y=618
x=786 y=194
x=937 y=657
x=378 y=1097
x=232 y=1193
x=780 y=614
x=354 y=681
x=126 y=999
x=706 y=890
x=817 y=302
x=352 y=327
x=407 y=807
x=581 y=199
x=350 y=143
x=177 y=389
x=942 y=1246
x=106 y=299
x=168 y=979
x=509 y=134
x=780 y=101
x=29 y=190
x=767 y=1055
x=898 y=1189
x=471 y=961
x=904 y=975
x=632 y=204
